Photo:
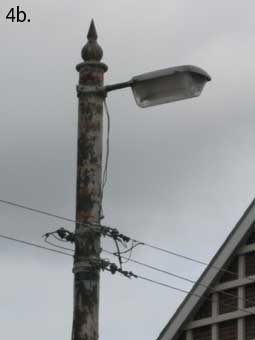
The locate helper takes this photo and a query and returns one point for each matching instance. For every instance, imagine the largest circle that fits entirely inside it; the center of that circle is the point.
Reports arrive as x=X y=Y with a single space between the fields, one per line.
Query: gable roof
x=235 y=240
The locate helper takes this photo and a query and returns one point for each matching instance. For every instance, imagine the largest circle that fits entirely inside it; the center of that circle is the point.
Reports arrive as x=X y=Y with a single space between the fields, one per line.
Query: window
x=250 y=295
x=228 y=301
x=250 y=327
x=205 y=311
x=202 y=333
x=228 y=330
x=231 y=272
x=250 y=264
x=251 y=239
x=182 y=336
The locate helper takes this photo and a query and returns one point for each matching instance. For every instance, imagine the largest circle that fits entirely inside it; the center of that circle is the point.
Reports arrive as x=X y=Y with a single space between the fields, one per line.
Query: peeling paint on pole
x=88 y=190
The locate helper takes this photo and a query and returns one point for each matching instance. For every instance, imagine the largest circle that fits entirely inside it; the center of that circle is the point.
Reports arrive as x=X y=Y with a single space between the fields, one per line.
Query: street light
x=165 y=86
x=149 y=89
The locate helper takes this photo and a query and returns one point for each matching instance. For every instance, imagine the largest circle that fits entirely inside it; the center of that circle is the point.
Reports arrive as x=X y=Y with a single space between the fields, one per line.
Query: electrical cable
x=175 y=254
x=131 y=274
x=131 y=248
x=138 y=276
x=57 y=246
x=189 y=293
x=130 y=251
x=33 y=245
x=224 y=292
x=189 y=259
x=168 y=286
x=59 y=239
x=43 y=212
x=113 y=269
x=105 y=172
x=37 y=211
x=142 y=243
x=131 y=260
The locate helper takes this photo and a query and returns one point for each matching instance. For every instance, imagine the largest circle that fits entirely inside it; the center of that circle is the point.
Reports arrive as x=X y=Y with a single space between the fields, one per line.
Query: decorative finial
x=92 y=33
x=92 y=51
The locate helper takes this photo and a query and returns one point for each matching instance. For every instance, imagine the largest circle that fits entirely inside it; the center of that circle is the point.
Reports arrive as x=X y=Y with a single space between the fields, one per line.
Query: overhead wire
x=175 y=254
x=131 y=260
x=190 y=293
x=180 y=277
x=38 y=211
x=33 y=245
x=204 y=296
x=118 y=253
x=185 y=257
x=167 y=251
x=168 y=286
x=46 y=213
x=56 y=245
x=138 y=276
x=130 y=251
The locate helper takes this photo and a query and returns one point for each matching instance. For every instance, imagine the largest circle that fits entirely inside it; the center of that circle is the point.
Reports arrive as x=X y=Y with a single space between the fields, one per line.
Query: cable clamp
x=85 y=89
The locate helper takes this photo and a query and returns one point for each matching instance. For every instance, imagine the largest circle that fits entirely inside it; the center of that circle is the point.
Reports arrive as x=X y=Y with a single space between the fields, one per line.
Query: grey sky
x=180 y=175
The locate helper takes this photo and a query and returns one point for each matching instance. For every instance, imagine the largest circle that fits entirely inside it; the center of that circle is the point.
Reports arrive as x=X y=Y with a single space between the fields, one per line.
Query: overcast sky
x=180 y=175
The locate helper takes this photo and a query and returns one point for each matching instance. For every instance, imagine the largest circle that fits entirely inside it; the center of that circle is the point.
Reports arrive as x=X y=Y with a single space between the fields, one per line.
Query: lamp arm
x=118 y=86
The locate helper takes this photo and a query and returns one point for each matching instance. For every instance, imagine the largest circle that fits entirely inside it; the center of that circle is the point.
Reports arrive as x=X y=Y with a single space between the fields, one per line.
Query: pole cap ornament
x=92 y=51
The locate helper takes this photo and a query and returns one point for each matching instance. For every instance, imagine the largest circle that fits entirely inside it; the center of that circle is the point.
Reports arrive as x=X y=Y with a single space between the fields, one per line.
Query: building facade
x=221 y=305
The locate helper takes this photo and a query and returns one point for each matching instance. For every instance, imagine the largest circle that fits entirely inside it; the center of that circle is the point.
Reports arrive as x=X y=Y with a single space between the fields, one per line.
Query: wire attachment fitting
x=113 y=268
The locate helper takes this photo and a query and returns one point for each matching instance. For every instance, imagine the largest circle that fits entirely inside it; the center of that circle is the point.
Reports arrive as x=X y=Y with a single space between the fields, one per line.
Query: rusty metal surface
x=88 y=191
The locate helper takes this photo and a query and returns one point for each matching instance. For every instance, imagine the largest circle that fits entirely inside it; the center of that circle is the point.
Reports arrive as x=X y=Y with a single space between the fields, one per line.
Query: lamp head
x=168 y=85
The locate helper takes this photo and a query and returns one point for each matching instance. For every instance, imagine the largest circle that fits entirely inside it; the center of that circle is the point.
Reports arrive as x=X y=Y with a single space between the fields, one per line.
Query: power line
x=168 y=286
x=57 y=246
x=43 y=212
x=38 y=211
x=33 y=245
x=63 y=253
x=189 y=292
x=138 y=276
x=175 y=254
x=224 y=292
x=131 y=274
x=131 y=260
x=167 y=251
x=189 y=258
x=113 y=269
x=153 y=268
